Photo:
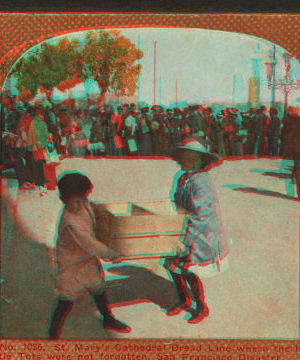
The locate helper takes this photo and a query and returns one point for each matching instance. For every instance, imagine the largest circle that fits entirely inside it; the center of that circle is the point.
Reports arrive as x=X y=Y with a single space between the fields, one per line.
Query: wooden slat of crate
x=166 y=207
x=118 y=209
x=149 y=246
x=146 y=224
x=136 y=231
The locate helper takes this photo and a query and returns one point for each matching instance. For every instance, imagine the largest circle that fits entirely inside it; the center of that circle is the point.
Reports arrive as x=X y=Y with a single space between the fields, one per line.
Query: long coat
x=290 y=137
x=37 y=134
x=204 y=237
x=294 y=137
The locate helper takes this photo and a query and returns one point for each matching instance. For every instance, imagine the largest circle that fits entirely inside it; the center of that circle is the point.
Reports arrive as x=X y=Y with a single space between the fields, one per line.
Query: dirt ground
x=256 y=295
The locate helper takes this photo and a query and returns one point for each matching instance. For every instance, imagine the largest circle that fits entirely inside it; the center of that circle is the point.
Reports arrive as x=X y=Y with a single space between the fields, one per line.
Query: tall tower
x=254 y=81
x=253 y=91
x=238 y=94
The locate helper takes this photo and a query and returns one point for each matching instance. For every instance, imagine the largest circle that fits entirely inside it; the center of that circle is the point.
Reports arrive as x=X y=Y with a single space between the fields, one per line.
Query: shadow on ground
x=276 y=174
x=27 y=295
x=258 y=191
x=140 y=285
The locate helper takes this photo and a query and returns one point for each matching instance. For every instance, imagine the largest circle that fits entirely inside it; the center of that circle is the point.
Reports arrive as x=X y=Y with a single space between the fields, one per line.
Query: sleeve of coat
x=201 y=200
x=84 y=238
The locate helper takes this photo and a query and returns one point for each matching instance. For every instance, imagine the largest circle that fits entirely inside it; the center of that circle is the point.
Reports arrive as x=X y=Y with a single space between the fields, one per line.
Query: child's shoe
x=111 y=323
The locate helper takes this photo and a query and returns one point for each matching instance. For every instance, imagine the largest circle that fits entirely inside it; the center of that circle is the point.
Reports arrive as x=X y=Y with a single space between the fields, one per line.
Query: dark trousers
x=273 y=145
x=35 y=169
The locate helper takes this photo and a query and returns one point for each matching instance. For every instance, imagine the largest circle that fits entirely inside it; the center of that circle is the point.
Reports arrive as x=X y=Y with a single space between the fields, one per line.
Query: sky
x=203 y=62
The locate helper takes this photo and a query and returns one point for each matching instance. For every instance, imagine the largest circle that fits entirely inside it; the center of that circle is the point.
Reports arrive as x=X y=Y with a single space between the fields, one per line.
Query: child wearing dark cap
x=76 y=254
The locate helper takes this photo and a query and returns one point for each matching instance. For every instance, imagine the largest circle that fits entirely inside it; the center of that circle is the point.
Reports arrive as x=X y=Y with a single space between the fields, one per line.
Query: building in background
x=238 y=93
x=253 y=91
x=254 y=81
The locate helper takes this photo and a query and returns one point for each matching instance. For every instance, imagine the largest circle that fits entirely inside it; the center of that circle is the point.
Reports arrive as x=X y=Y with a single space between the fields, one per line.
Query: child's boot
x=109 y=321
x=61 y=310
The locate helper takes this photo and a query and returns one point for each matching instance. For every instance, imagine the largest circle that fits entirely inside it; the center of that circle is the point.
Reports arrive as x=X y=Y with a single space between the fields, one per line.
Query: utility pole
x=160 y=91
x=286 y=84
x=176 y=93
x=138 y=97
x=154 y=71
x=273 y=62
x=272 y=84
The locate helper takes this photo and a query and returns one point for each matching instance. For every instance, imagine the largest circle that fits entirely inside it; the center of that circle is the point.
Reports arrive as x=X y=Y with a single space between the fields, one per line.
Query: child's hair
x=73 y=183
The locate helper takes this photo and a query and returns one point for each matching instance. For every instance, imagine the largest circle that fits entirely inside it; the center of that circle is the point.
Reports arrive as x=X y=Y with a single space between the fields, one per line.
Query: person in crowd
x=144 y=133
x=36 y=143
x=289 y=148
x=113 y=129
x=194 y=121
x=213 y=129
x=80 y=142
x=249 y=119
x=220 y=130
x=237 y=121
x=185 y=130
x=21 y=143
x=14 y=157
x=228 y=132
x=206 y=123
x=52 y=123
x=294 y=136
x=157 y=130
x=204 y=240
x=265 y=124
x=170 y=121
x=258 y=132
x=97 y=137
x=273 y=133
x=176 y=125
x=68 y=128
x=13 y=116
x=89 y=111
x=286 y=132
x=78 y=253
x=65 y=126
x=50 y=118
x=167 y=131
x=131 y=145
x=117 y=121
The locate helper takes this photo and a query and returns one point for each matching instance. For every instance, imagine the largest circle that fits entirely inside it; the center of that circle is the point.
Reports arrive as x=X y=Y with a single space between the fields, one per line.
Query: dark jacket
x=294 y=137
x=274 y=127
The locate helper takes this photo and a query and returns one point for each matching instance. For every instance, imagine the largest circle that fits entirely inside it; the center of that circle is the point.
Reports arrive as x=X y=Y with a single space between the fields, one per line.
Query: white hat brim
x=211 y=156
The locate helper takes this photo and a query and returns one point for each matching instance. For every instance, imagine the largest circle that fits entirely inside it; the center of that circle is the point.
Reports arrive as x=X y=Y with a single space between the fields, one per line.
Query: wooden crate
x=144 y=229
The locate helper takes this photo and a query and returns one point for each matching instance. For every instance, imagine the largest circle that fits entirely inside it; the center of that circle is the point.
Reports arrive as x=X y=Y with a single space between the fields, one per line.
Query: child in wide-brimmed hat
x=204 y=241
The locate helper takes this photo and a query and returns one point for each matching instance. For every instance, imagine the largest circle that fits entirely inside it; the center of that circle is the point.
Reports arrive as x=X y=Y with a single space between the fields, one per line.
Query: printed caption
x=173 y=350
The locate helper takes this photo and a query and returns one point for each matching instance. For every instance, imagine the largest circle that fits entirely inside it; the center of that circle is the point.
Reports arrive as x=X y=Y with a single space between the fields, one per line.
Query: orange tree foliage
x=110 y=59
x=46 y=67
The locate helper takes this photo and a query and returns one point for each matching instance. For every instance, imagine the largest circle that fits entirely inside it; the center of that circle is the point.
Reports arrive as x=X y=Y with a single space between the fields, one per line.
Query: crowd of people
x=33 y=133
